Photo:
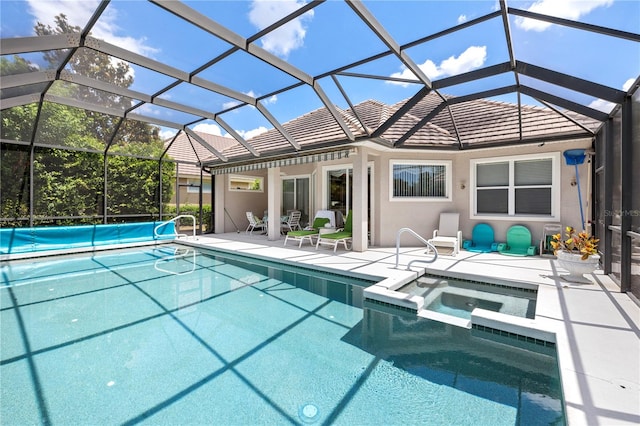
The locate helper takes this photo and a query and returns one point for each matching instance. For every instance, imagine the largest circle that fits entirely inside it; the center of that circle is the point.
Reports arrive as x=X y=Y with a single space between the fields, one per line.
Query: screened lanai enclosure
x=108 y=106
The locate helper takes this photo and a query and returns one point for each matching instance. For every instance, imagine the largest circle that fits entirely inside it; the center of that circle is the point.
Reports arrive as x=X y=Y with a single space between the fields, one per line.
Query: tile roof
x=188 y=152
x=473 y=123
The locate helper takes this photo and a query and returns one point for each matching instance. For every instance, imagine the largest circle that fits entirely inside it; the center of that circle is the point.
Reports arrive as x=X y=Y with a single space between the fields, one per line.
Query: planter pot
x=577 y=267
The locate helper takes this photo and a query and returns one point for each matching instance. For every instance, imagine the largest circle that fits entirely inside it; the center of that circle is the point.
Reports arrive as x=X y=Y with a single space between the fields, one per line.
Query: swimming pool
x=169 y=335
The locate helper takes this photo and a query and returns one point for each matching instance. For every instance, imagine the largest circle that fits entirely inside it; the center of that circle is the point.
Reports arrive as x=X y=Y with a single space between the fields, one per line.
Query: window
x=193 y=186
x=245 y=183
x=420 y=180
x=520 y=186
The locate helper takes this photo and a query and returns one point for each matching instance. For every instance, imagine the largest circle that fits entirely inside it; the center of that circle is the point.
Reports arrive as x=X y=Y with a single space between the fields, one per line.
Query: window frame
x=556 y=187
x=448 y=186
x=245 y=177
x=195 y=189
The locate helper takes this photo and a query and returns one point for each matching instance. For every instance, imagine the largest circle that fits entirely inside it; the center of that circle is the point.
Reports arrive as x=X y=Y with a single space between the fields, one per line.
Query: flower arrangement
x=575 y=242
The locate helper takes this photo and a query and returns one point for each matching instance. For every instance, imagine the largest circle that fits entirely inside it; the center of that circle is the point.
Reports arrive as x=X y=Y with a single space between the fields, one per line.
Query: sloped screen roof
x=283 y=78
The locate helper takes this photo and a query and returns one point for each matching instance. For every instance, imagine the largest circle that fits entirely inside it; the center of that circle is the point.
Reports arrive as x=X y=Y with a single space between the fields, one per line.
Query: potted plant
x=577 y=253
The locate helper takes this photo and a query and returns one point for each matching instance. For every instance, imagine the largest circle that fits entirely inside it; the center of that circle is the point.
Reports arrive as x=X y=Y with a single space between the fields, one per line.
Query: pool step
x=448 y=319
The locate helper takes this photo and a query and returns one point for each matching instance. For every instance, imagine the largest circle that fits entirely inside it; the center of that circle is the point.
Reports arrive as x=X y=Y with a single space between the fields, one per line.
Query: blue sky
x=331 y=35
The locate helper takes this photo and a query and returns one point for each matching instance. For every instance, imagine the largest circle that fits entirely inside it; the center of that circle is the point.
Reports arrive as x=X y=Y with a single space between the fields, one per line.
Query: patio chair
x=482 y=239
x=448 y=234
x=518 y=242
x=329 y=214
x=308 y=233
x=343 y=236
x=292 y=222
x=254 y=223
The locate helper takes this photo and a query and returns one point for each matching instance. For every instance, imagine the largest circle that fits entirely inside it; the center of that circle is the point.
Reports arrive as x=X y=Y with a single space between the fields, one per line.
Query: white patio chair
x=448 y=233
x=292 y=223
x=254 y=223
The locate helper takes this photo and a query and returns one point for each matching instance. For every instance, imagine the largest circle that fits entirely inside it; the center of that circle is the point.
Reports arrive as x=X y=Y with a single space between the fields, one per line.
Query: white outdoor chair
x=448 y=233
x=254 y=223
x=292 y=223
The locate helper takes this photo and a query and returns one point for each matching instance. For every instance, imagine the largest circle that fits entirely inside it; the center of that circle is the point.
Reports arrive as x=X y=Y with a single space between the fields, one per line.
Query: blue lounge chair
x=482 y=239
x=518 y=242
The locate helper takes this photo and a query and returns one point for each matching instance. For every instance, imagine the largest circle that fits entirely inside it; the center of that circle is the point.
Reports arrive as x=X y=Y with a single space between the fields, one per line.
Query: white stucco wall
x=423 y=216
x=238 y=203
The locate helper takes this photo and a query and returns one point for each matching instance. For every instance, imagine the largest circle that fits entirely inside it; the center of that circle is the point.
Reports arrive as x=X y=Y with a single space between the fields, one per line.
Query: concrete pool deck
x=597 y=328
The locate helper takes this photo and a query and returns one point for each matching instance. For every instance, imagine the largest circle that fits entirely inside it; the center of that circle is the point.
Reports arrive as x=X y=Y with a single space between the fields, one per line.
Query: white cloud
x=606 y=106
x=567 y=9
x=230 y=104
x=462 y=19
x=167 y=134
x=602 y=105
x=472 y=58
x=251 y=93
x=286 y=38
x=78 y=14
x=148 y=109
x=248 y=134
x=627 y=84
x=212 y=129
x=272 y=100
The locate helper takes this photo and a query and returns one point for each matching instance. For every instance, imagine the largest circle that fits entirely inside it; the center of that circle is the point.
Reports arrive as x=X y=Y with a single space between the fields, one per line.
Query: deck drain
x=309 y=413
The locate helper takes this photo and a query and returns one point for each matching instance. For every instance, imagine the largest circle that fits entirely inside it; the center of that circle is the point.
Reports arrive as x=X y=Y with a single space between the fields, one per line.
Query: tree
x=99 y=66
x=70 y=182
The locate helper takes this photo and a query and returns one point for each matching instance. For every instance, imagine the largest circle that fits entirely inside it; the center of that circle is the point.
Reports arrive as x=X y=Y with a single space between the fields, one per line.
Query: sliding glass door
x=295 y=196
x=340 y=188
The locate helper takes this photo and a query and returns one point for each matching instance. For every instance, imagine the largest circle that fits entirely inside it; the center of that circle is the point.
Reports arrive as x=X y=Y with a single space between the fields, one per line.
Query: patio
x=597 y=327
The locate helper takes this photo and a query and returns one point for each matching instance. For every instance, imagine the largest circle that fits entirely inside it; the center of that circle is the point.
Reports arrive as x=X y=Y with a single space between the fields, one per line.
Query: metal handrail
x=165 y=223
x=415 y=234
x=177 y=254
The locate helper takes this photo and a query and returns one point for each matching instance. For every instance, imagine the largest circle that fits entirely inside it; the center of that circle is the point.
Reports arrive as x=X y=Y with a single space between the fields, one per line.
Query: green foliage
x=133 y=185
x=67 y=183
x=14 y=184
x=18 y=122
x=99 y=66
x=255 y=185
x=192 y=209
x=70 y=182
x=15 y=65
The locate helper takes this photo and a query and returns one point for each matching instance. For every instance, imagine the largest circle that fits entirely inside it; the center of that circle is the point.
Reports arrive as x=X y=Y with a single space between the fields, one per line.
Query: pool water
x=456 y=297
x=176 y=336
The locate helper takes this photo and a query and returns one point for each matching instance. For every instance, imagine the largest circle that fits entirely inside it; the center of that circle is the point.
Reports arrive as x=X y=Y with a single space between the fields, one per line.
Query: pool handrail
x=415 y=234
x=166 y=222
x=177 y=254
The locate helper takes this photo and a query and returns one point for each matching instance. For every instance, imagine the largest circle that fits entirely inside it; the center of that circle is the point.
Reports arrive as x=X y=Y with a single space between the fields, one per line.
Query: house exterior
x=482 y=165
x=182 y=150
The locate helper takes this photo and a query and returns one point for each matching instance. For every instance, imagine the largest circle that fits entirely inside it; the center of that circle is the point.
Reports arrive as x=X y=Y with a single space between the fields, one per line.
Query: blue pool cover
x=27 y=240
